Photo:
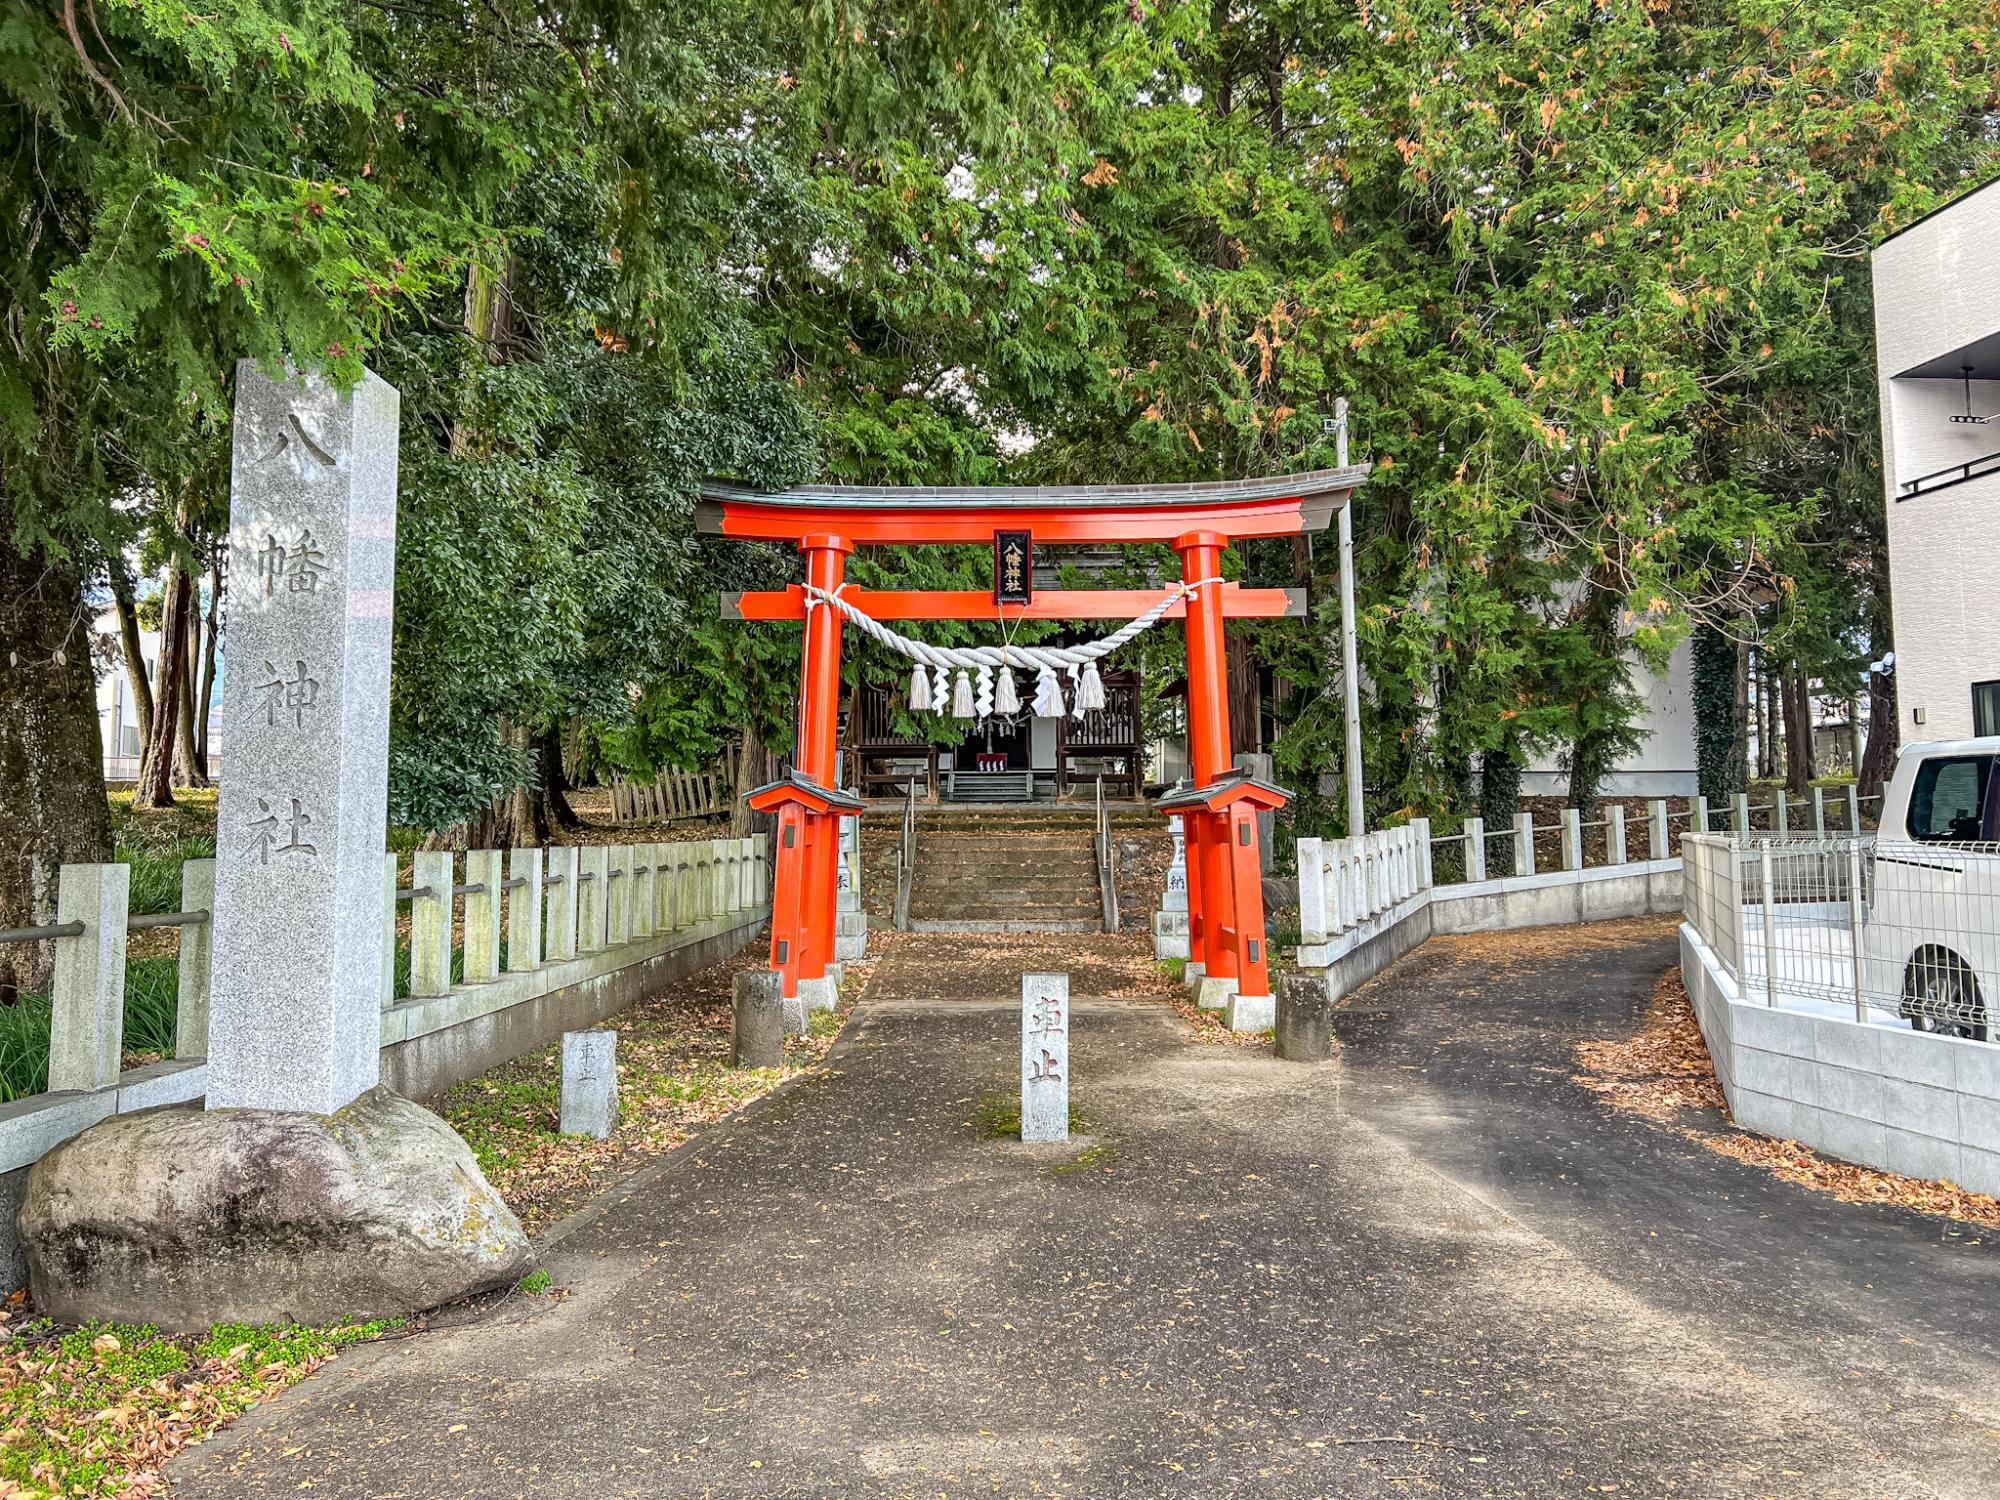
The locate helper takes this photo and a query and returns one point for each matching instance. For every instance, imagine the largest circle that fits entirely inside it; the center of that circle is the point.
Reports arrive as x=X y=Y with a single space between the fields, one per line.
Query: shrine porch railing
x=521 y=929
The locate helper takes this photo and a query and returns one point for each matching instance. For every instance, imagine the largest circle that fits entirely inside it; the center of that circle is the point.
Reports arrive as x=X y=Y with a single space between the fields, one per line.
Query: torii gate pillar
x=1225 y=877
x=816 y=758
x=808 y=818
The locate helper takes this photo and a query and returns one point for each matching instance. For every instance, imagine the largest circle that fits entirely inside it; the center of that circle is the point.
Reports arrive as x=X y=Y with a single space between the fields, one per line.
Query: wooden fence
x=671 y=798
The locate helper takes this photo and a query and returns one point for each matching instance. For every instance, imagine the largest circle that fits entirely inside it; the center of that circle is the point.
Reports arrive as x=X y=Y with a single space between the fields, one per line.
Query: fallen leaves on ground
x=1663 y=1072
x=673 y=1078
x=98 y=1410
x=1212 y=1026
x=1661 y=1069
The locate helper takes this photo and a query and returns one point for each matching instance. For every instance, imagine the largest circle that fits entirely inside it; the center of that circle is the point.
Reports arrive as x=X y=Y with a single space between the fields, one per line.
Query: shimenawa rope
x=987 y=697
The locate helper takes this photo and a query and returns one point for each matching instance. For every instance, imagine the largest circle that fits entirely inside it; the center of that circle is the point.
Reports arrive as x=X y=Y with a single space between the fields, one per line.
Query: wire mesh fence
x=1899 y=933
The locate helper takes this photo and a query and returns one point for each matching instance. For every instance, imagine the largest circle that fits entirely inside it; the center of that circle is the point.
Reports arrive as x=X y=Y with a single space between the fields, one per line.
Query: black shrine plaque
x=1013 y=567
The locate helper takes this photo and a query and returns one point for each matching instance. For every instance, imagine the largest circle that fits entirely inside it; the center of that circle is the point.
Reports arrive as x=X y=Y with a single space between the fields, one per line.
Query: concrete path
x=1436 y=1267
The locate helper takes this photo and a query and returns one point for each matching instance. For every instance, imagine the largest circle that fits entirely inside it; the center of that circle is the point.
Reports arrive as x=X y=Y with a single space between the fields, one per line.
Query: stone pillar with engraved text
x=299 y=924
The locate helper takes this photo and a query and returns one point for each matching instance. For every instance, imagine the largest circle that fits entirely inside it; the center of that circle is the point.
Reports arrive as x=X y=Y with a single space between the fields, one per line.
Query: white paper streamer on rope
x=1046 y=661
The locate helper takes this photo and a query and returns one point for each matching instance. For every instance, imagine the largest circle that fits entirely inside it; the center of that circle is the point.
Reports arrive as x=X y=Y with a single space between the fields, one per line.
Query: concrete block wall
x=1349 y=959
x=1603 y=894
x=1904 y=1101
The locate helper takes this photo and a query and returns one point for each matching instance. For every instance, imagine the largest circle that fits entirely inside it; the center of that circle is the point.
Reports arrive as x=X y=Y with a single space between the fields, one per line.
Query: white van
x=1933 y=934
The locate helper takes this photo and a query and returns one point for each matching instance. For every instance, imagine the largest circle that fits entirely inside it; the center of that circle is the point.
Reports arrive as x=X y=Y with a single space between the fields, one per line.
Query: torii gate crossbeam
x=826 y=523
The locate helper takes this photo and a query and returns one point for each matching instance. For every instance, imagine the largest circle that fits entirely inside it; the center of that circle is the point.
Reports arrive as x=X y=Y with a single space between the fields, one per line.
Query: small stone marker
x=757 y=1026
x=295 y=1017
x=1305 y=1018
x=1176 y=896
x=1045 y=1057
x=589 y=1083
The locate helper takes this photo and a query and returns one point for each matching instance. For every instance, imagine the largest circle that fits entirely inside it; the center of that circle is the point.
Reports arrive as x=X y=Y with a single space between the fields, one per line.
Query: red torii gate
x=826 y=522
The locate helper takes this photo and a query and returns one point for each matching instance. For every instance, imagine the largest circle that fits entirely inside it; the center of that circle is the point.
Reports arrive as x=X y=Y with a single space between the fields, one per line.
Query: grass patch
x=998 y=1117
x=503 y=1117
x=1175 y=969
x=1091 y=1158
x=152 y=1005
x=674 y=1078
x=97 y=1410
x=156 y=872
x=535 y=1282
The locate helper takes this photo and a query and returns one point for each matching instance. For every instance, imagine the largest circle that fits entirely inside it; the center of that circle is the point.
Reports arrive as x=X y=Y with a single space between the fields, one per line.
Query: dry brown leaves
x=673 y=1078
x=1663 y=1071
x=1212 y=1026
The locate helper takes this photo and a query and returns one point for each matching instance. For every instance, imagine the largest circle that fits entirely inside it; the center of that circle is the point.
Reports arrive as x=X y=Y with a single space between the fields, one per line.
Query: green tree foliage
x=1591 y=273
x=1572 y=262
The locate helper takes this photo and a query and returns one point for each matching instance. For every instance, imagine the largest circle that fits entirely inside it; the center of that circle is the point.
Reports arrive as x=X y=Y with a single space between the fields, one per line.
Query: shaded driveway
x=1435 y=1267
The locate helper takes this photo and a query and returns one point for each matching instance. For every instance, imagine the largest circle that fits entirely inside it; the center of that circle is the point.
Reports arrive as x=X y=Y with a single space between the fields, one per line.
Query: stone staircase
x=1006 y=872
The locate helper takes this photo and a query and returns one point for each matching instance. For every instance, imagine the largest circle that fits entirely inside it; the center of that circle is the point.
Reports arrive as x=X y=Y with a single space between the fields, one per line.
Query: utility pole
x=1350 y=685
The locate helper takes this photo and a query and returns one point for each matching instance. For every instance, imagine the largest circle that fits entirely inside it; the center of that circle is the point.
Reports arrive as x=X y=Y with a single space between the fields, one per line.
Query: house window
x=1946 y=800
x=1986 y=708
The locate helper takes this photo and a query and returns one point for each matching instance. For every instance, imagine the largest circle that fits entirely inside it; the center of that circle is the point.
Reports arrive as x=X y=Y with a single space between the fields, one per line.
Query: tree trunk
x=1716 y=729
x=1808 y=734
x=52 y=806
x=205 y=695
x=743 y=769
x=187 y=764
x=1884 y=730
x=1767 y=726
x=555 y=784
x=1246 y=701
x=132 y=648
x=1741 y=761
x=1499 y=800
x=1798 y=731
x=156 y=780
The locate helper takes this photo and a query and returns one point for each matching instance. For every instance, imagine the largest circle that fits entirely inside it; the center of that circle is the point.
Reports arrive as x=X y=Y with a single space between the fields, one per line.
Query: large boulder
x=185 y=1217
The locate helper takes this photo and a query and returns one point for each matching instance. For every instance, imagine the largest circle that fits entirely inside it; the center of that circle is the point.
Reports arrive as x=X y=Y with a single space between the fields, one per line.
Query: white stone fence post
x=1346 y=882
x=560 y=903
x=469 y=931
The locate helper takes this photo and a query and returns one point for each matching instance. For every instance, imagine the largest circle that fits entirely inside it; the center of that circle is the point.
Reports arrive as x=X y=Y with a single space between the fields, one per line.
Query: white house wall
x=1937 y=289
x=1664 y=765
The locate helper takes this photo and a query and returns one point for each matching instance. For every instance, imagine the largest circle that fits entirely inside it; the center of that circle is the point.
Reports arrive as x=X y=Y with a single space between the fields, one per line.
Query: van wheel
x=1941 y=996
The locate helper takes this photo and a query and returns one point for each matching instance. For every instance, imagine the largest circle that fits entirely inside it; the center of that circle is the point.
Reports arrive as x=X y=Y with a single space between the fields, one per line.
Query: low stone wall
x=1559 y=898
x=1602 y=894
x=1905 y=1101
x=1378 y=944
x=429 y=1045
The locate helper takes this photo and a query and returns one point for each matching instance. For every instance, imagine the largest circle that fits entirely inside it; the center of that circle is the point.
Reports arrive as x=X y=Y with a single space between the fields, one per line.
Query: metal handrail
x=1972 y=468
x=167 y=919
x=40 y=934
x=906 y=859
x=1107 y=863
